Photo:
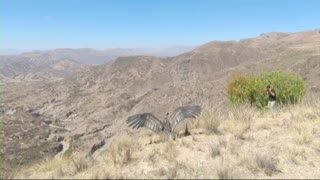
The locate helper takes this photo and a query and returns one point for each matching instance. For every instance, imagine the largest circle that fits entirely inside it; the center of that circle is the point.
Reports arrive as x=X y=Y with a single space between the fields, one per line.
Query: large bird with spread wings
x=169 y=124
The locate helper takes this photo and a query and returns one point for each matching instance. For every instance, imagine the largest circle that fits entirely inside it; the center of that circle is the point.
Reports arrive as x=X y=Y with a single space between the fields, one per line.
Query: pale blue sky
x=101 y=24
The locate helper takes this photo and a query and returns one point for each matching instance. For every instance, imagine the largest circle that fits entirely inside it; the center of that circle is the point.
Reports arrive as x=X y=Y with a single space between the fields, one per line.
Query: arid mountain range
x=58 y=63
x=93 y=103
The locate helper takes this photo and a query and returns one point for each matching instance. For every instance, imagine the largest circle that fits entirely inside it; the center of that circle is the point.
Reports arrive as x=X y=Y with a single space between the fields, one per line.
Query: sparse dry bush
x=210 y=122
x=268 y=163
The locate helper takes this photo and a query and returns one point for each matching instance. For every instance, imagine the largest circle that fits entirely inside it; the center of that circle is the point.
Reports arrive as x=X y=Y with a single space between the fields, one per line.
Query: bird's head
x=166 y=118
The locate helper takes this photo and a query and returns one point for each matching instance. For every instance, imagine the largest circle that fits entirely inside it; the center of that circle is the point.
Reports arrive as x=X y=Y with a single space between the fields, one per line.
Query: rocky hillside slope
x=19 y=69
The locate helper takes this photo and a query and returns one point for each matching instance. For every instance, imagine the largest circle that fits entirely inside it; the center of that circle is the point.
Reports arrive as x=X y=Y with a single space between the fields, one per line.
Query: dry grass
x=214 y=150
x=250 y=163
x=153 y=156
x=297 y=155
x=80 y=163
x=285 y=144
x=102 y=175
x=225 y=171
x=171 y=151
x=122 y=153
x=267 y=162
x=210 y=122
x=49 y=165
x=59 y=172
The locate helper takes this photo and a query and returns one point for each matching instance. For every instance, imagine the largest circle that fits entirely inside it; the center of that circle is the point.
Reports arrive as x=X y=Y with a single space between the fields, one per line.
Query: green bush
x=289 y=87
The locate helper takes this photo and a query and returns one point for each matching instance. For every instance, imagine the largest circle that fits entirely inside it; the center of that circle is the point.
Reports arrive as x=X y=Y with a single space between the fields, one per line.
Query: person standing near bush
x=272 y=96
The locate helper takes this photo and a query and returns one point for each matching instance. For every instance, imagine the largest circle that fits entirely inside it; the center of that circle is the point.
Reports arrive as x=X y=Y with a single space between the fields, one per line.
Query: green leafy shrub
x=289 y=87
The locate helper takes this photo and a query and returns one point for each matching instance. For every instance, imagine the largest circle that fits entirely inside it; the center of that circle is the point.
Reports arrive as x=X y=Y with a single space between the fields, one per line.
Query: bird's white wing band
x=147 y=120
x=182 y=113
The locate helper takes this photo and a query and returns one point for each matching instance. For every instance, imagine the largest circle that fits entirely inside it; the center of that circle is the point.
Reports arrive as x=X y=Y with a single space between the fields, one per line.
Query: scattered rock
x=35 y=114
x=58 y=148
x=48 y=121
x=60 y=138
x=10 y=111
x=69 y=113
x=77 y=136
x=97 y=146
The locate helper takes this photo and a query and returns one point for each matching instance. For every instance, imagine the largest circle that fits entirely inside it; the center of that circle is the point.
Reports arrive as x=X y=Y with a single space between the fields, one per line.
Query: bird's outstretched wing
x=147 y=120
x=183 y=112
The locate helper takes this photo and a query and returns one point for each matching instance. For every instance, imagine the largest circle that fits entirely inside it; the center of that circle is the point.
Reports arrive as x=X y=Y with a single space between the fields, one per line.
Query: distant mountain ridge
x=43 y=65
x=93 y=56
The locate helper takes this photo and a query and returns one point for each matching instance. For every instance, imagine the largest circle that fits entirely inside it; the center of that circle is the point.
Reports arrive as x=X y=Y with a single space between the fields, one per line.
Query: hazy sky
x=44 y=24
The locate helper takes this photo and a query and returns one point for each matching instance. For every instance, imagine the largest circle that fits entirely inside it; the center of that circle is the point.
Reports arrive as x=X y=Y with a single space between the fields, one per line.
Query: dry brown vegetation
x=283 y=143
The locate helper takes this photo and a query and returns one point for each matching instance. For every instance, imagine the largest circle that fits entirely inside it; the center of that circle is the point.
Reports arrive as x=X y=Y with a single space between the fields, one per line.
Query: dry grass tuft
x=49 y=164
x=153 y=155
x=59 y=172
x=304 y=133
x=250 y=163
x=214 y=150
x=114 y=154
x=102 y=174
x=268 y=163
x=225 y=172
x=185 y=143
x=210 y=122
x=297 y=155
x=241 y=130
x=122 y=152
x=80 y=163
x=244 y=113
x=233 y=147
